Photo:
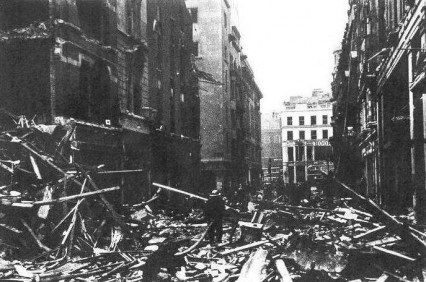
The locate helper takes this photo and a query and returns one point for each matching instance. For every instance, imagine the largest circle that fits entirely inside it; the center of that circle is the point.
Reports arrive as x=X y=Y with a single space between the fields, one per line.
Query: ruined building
x=121 y=70
x=378 y=112
x=230 y=108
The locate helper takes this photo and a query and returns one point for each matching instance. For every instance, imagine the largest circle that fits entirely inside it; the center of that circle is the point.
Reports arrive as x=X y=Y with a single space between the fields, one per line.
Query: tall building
x=306 y=129
x=272 y=150
x=379 y=109
x=174 y=98
x=230 y=117
x=94 y=63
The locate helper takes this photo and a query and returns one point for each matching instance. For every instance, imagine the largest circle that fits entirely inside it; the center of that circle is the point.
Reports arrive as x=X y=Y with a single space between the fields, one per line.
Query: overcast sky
x=290 y=44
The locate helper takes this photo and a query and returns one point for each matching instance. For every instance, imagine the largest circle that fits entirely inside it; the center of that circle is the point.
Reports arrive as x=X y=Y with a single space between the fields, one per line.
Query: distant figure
x=214 y=212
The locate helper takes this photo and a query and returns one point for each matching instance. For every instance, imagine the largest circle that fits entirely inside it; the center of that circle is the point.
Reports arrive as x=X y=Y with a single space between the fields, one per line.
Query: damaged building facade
x=230 y=106
x=121 y=72
x=378 y=112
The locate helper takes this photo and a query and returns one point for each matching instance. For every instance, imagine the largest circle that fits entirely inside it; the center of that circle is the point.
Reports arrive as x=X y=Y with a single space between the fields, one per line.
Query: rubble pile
x=57 y=223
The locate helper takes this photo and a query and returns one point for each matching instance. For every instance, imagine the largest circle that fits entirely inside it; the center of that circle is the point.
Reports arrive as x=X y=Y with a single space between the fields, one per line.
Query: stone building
x=306 y=130
x=272 y=150
x=90 y=62
x=378 y=113
x=230 y=117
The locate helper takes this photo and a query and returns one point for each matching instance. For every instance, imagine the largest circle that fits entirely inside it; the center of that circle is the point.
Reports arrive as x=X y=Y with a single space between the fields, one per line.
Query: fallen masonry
x=57 y=223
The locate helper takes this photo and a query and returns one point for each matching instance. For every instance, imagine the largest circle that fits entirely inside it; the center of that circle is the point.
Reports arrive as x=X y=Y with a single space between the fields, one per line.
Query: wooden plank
x=254 y=269
x=121 y=171
x=383 y=278
x=107 y=204
x=253 y=245
x=6 y=167
x=384 y=241
x=391 y=220
x=369 y=232
x=390 y=252
x=189 y=194
x=39 y=243
x=180 y=191
x=75 y=197
x=283 y=271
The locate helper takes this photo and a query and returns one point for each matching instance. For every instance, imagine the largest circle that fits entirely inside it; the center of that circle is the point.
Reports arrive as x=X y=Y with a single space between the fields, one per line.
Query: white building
x=305 y=132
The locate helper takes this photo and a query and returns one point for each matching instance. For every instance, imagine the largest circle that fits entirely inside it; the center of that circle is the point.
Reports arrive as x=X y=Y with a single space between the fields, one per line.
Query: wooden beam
x=369 y=232
x=390 y=252
x=391 y=220
x=75 y=197
x=253 y=245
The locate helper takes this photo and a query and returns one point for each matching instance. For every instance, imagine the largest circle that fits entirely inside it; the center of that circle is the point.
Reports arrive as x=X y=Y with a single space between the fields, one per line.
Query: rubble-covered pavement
x=57 y=224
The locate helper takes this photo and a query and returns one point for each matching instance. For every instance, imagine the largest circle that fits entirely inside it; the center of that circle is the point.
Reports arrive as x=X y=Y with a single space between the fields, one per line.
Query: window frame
x=323 y=135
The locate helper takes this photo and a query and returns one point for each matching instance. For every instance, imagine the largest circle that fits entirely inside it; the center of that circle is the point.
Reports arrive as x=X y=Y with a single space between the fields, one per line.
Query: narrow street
x=212 y=140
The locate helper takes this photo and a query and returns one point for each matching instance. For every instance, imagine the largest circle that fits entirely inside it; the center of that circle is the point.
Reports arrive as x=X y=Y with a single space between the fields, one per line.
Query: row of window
x=273 y=139
x=302 y=134
x=313 y=120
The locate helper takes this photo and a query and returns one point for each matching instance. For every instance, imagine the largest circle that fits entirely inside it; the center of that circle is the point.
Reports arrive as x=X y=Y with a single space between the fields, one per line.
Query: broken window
x=94 y=100
x=80 y=107
x=137 y=72
x=100 y=100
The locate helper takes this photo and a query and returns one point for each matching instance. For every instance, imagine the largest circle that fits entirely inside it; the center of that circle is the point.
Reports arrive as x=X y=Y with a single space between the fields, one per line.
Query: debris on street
x=57 y=224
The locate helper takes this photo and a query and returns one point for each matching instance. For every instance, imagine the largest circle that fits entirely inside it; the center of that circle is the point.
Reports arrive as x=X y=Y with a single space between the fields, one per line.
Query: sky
x=290 y=44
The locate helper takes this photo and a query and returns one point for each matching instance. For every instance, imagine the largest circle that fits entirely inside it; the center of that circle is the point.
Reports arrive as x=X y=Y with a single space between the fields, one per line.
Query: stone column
x=285 y=163
x=295 y=160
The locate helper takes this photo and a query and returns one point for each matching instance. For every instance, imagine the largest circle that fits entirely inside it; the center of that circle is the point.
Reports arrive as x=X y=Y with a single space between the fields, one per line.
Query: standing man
x=214 y=212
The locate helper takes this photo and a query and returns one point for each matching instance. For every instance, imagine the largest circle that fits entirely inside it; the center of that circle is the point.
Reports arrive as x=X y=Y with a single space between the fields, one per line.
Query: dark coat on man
x=214 y=211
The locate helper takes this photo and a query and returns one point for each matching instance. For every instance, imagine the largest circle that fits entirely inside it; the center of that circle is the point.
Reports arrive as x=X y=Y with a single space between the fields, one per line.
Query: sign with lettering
x=323 y=142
